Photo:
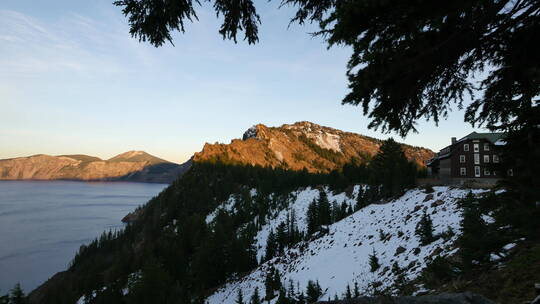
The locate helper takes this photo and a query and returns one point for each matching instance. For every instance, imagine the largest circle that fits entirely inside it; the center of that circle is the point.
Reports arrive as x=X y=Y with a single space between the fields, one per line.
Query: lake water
x=43 y=224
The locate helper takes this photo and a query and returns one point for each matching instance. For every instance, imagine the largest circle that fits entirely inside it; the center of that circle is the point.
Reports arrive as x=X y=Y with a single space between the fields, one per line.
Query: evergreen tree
x=255 y=298
x=281 y=237
x=374 y=261
x=269 y=285
x=424 y=229
x=313 y=292
x=17 y=295
x=348 y=294
x=239 y=297
x=312 y=217
x=390 y=170
x=475 y=234
x=325 y=217
x=282 y=297
x=301 y=298
x=272 y=246
x=356 y=290
x=4 y=299
x=291 y=291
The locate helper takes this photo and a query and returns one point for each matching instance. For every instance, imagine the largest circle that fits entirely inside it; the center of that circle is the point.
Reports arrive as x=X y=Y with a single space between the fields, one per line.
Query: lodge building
x=474 y=156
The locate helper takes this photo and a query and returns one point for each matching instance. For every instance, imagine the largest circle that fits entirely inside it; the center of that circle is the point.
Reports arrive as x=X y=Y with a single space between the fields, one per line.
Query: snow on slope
x=341 y=256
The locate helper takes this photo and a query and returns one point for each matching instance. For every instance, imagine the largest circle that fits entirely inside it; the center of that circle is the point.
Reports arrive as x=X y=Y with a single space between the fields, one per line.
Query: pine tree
x=239 y=297
x=374 y=261
x=17 y=295
x=348 y=294
x=390 y=170
x=474 y=238
x=325 y=217
x=282 y=298
x=291 y=291
x=301 y=298
x=356 y=290
x=424 y=229
x=281 y=237
x=313 y=292
x=312 y=217
x=271 y=246
x=255 y=298
x=4 y=299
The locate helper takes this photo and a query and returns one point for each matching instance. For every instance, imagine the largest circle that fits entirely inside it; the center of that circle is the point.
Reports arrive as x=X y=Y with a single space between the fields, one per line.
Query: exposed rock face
x=130 y=166
x=445 y=298
x=300 y=145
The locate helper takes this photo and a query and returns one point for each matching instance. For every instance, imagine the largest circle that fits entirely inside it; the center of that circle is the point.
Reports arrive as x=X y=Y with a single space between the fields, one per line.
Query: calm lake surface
x=43 y=224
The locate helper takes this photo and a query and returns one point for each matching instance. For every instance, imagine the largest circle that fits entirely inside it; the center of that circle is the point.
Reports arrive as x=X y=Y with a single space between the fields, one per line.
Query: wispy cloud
x=30 y=47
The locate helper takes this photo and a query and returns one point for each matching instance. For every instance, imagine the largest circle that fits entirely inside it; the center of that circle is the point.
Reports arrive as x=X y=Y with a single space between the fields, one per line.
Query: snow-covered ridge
x=340 y=257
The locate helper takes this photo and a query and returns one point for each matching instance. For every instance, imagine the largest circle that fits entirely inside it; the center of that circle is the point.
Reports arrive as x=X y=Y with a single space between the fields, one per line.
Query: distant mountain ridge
x=136 y=166
x=302 y=145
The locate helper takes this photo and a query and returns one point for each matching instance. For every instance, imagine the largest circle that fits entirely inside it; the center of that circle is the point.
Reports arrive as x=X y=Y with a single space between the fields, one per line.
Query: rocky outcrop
x=301 y=145
x=444 y=298
x=130 y=166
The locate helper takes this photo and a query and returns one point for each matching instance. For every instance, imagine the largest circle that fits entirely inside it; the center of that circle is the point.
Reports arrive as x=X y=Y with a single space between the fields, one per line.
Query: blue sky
x=72 y=80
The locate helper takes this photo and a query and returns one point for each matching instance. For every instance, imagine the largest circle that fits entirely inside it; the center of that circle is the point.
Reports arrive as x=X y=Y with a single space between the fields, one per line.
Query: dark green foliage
x=390 y=171
x=348 y=293
x=319 y=213
x=272 y=283
x=16 y=295
x=239 y=297
x=474 y=239
x=4 y=299
x=512 y=219
x=424 y=230
x=438 y=271
x=312 y=217
x=151 y=286
x=271 y=246
x=255 y=297
x=155 y=20
x=313 y=291
x=374 y=262
x=356 y=291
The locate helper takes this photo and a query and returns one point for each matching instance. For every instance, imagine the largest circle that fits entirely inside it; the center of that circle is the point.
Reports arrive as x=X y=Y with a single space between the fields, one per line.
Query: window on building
x=476 y=147
x=486 y=158
x=462 y=158
x=486 y=147
x=477 y=171
x=476 y=159
x=495 y=158
x=466 y=147
x=486 y=172
x=463 y=171
x=510 y=172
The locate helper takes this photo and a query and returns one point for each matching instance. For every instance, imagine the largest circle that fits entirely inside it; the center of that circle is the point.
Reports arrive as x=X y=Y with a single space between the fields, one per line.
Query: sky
x=73 y=81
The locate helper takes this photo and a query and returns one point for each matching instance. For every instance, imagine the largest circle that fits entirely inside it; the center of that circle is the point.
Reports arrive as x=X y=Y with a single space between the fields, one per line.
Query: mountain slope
x=341 y=256
x=301 y=145
x=129 y=166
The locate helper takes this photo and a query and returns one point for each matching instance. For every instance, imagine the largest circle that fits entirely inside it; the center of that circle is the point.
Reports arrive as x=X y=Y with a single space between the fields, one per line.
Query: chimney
x=454 y=140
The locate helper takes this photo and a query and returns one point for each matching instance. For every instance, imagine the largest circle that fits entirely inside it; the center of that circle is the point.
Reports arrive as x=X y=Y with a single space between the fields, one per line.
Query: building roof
x=495 y=138
x=492 y=137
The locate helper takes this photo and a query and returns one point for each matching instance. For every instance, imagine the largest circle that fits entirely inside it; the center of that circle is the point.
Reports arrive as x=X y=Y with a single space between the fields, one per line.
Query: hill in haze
x=136 y=166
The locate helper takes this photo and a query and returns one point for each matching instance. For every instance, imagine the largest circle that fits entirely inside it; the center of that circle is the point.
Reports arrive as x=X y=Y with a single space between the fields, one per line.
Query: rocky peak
x=302 y=145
